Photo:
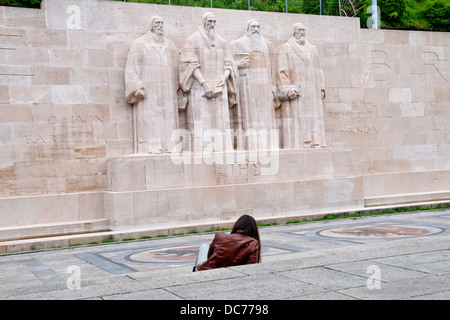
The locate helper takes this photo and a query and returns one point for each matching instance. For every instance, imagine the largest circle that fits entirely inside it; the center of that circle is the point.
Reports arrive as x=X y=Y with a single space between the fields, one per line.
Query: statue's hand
x=244 y=63
x=139 y=94
x=293 y=94
x=222 y=80
x=207 y=88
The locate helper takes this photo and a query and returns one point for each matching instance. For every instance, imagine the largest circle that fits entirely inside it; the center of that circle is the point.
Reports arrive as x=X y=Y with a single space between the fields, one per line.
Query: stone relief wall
x=64 y=108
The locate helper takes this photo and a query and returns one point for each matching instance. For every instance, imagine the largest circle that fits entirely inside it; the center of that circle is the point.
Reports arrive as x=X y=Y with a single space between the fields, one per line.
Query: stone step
x=66 y=240
x=53 y=229
x=409 y=198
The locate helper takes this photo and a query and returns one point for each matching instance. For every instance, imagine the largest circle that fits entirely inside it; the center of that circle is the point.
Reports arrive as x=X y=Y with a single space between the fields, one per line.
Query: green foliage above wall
x=22 y=3
x=395 y=14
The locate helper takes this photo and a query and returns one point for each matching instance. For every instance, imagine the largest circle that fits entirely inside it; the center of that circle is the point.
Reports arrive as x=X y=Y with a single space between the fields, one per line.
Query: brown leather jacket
x=230 y=250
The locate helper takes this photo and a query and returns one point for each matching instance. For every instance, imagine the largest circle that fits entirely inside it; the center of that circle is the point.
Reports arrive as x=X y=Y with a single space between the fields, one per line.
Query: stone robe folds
x=298 y=66
x=153 y=66
x=256 y=98
x=207 y=116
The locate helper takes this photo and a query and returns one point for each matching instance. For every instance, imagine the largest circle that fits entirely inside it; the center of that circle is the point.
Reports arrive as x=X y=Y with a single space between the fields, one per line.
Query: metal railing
x=332 y=7
x=249 y=5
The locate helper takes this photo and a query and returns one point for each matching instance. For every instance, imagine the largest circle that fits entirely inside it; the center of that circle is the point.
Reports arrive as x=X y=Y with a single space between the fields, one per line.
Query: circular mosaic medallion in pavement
x=380 y=231
x=169 y=255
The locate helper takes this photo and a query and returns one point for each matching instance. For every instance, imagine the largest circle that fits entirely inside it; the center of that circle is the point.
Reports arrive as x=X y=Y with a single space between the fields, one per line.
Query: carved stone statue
x=254 y=55
x=208 y=77
x=151 y=83
x=301 y=88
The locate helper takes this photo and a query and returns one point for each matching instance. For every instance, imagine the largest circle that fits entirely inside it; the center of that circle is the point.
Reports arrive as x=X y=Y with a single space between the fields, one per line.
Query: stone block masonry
x=65 y=123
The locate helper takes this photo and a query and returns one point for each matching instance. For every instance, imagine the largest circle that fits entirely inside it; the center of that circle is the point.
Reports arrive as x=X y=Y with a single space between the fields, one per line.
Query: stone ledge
x=137 y=172
x=45 y=243
x=409 y=198
x=52 y=229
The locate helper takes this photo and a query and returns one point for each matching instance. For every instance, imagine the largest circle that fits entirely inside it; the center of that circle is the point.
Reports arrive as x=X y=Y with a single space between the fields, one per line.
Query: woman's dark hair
x=247 y=224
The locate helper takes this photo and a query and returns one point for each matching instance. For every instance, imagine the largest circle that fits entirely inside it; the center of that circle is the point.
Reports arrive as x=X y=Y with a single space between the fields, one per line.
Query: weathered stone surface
x=65 y=122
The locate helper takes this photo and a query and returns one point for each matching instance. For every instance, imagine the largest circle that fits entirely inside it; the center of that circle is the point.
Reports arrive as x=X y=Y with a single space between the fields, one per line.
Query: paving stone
x=409 y=268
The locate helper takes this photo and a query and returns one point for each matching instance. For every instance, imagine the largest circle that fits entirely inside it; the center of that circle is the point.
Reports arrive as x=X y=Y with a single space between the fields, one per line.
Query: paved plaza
x=394 y=256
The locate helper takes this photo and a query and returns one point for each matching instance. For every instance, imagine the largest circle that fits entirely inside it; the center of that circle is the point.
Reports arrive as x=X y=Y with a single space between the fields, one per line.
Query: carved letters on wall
x=383 y=64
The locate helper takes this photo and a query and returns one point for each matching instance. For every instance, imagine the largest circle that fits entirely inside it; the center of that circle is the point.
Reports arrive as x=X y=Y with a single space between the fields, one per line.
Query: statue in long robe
x=254 y=54
x=151 y=83
x=301 y=88
x=208 y=77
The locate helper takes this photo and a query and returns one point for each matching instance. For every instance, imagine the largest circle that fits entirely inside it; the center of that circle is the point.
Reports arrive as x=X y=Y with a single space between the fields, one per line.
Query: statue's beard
x=301 y=39
x=211 y=32
x=255 y=41
x=159 y=35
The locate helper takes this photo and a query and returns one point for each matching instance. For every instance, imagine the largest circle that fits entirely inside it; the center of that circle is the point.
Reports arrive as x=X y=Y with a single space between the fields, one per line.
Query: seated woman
x=241 y=246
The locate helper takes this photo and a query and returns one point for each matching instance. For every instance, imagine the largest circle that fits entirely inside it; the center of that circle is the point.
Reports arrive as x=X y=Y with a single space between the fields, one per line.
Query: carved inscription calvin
x=75 y=134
